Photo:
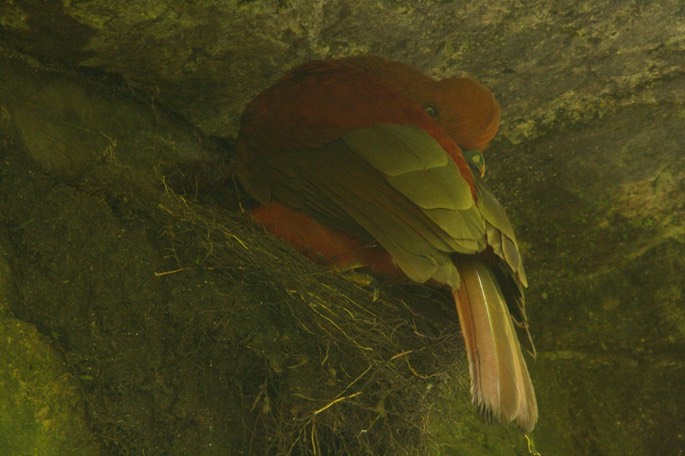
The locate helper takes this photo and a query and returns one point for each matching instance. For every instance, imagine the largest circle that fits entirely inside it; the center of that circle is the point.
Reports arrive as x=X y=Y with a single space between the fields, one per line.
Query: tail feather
x=500 y=382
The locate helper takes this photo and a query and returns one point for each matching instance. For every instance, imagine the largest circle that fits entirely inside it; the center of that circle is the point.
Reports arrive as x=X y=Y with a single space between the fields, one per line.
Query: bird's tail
x=500 y=382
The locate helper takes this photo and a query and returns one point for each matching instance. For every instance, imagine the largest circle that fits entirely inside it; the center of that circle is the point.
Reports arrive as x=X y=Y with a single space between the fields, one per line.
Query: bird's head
x=467 y=111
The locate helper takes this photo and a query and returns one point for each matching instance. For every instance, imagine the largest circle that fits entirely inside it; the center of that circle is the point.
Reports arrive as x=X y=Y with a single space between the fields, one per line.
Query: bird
x=367 y=162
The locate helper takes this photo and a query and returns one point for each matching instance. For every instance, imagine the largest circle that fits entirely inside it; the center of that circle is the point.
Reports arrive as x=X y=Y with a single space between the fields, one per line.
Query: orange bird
x=367 y=162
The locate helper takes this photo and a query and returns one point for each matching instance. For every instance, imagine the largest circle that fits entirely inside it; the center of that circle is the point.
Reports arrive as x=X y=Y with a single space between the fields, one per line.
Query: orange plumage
x=358 y=162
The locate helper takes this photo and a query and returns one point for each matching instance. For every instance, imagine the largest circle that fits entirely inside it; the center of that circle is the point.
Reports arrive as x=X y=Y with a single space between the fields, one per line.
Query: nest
x=237 y=344
x=333 y=363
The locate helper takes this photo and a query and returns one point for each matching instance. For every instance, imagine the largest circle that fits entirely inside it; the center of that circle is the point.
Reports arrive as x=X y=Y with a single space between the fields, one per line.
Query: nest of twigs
x=338 y=363
x=237 y=344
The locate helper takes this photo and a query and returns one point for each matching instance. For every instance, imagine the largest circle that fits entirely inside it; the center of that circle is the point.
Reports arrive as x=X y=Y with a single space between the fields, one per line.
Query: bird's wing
x=510 y=273
x=395 y=183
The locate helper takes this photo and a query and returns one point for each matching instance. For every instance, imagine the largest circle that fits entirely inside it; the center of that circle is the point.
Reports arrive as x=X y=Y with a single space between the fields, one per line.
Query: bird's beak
x=476 y=161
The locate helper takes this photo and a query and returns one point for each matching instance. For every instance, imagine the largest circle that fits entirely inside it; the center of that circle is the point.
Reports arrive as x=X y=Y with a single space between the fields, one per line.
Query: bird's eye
x=431 y=111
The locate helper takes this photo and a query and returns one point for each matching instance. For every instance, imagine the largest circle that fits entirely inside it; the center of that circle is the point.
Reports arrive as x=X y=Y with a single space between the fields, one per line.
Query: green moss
x=40 y=403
